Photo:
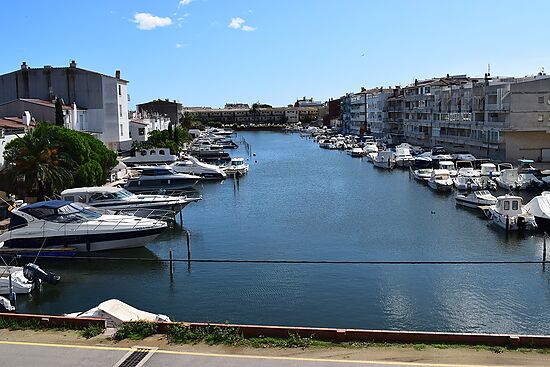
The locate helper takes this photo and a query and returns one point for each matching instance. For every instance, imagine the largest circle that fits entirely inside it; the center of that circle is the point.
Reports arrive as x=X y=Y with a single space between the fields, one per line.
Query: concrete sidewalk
x=16 y=353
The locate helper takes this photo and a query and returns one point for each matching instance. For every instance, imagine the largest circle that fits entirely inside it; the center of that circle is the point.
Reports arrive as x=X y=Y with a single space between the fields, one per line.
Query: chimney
x=117 y=74
x=24 y=66
x=72 y=64
x=26 y=118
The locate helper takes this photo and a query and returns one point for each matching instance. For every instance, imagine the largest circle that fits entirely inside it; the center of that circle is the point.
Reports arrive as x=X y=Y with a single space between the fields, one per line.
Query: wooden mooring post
x=188 y=240
x=544 y=249
x=171 y=264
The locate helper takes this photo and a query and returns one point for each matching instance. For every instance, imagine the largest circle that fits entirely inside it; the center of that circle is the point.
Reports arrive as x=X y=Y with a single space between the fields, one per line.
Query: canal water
x=300 y=202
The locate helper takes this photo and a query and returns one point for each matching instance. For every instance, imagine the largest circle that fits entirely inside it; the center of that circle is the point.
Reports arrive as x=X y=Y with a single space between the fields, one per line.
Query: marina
x=302 y=203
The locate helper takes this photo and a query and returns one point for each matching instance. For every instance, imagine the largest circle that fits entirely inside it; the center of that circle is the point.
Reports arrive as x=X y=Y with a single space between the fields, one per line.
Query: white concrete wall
x=5 y=140
x=115 y=127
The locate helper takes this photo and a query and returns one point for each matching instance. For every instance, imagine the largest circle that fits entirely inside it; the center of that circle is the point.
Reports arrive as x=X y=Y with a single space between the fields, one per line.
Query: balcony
x=497 y=107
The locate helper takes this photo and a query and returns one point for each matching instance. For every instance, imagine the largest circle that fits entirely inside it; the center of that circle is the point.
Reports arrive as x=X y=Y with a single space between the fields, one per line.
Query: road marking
x=216 y=355
x=96 y=347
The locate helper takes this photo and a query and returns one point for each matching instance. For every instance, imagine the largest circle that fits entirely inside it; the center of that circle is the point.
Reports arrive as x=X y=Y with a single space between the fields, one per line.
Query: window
x=121 y=130
x=143 y=152
x=152 y=152
x=119 y=90
x=541 y=117
x=514 y=205
x=141 y=131
x=506 y=205
x=161 y=152
x=120 y=110
x=541 y=99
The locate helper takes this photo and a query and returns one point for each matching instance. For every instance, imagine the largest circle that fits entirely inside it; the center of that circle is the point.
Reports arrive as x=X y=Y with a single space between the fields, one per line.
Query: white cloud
x=146 y=21
x=236 y=23
x=184 y=2
x=179 y=45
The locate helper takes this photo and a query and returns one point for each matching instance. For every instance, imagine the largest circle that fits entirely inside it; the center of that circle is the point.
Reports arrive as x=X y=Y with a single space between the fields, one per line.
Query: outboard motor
x=34 y=273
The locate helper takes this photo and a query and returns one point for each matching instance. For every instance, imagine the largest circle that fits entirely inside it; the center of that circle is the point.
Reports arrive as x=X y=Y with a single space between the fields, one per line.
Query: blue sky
x=209 y=52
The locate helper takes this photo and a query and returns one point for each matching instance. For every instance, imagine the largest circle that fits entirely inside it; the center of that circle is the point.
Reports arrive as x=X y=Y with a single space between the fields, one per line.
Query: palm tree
x=39 y=163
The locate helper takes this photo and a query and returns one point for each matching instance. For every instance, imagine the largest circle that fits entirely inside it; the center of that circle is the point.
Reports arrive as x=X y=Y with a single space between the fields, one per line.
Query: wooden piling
x=188 y=240
x=171 y=264
x=544 y=248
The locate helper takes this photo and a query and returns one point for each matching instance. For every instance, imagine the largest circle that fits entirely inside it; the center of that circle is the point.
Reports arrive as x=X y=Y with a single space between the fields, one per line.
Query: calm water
x=302 y=202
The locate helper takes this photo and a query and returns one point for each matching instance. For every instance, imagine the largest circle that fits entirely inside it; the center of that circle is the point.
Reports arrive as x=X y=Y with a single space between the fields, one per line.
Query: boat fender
x=34 y=274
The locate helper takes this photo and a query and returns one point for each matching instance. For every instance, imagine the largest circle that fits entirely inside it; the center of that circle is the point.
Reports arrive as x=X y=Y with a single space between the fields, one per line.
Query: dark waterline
x=300 y=202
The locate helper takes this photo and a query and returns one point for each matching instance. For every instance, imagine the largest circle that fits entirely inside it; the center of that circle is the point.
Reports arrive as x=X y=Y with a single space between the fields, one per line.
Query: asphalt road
x=52 y=355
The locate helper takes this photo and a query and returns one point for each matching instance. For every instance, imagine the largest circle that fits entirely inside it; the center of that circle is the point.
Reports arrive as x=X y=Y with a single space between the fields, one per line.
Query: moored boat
x=237 y=166
x=509 y=214
x=156 y=178
x=60 y=224
x=384 y=159
x=476 y=199
x=440 y=180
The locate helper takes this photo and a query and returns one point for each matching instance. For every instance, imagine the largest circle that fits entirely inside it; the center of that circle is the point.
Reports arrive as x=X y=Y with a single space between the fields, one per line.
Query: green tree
x=38 y=162
x=51 y=158
x=59 y=120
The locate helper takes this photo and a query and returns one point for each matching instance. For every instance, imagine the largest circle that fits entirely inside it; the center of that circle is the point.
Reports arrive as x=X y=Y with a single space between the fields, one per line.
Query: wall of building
x=5 y=140
x=115 y=129
x=527 y=144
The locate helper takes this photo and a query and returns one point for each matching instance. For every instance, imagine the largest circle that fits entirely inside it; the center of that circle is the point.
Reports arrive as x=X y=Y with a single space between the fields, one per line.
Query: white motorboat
x=539 y=206
x=384 y=159
x=509 y=213
x=462 y=183
x=356 y=152
x=19 y=283
x=449 y=166
x=192 y=166
x=151 y=156
x=237 y=166
x=509 y=179
x=440 y=180
x=152 y=178
x=423 y=160
x=22 y=280
x=220 y=131
x=422 y=174
x=370 y=148
x=463 y=156
x=120 y=199
x=476 y=199
x=60 y=223
x=403 y=157
x=489 y=169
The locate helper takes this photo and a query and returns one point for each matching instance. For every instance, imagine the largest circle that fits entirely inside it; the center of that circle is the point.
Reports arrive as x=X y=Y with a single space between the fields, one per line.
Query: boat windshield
x=106 y=196
x=69 y=213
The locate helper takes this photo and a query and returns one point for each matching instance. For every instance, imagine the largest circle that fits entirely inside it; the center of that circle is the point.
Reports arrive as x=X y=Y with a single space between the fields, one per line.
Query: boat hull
x=89 y=242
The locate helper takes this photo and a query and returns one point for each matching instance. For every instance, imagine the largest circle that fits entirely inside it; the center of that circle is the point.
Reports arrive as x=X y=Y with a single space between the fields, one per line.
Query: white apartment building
x=102 y=100
x=142 y=126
